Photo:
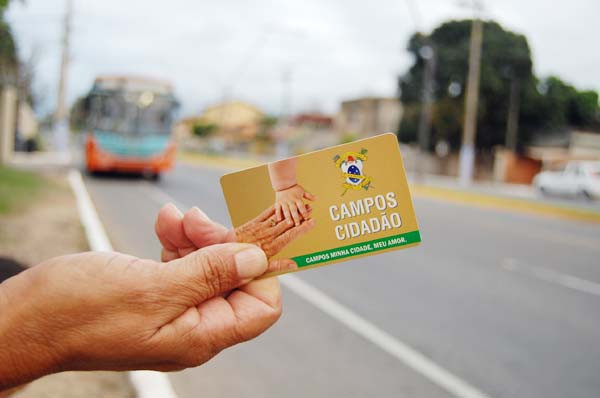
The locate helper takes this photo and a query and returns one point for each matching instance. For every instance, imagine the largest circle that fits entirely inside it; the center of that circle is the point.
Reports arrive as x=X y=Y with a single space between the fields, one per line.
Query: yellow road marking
x=219 y=162
x=504 y=203
x=450 y=195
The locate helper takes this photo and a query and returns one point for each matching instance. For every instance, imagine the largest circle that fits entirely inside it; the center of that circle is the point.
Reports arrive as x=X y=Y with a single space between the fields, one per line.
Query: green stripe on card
x=358 y=249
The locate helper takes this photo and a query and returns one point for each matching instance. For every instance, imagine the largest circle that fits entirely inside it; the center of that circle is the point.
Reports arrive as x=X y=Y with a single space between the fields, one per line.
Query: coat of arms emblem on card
x=351 y=165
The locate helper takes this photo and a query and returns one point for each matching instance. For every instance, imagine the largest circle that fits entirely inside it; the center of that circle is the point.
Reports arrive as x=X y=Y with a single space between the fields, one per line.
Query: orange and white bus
x=129 y=122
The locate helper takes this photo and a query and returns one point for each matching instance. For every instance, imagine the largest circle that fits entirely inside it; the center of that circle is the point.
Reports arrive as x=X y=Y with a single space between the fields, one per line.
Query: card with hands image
x=331 y=205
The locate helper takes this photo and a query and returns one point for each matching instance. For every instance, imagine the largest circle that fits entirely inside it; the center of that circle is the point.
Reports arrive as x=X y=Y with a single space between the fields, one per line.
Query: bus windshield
x=132 y=114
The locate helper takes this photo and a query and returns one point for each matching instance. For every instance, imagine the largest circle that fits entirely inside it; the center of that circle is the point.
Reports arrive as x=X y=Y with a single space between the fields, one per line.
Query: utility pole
x=512 y=123
x=467 y=150
x=428 y=54
x=61 y=115
x=8 y=114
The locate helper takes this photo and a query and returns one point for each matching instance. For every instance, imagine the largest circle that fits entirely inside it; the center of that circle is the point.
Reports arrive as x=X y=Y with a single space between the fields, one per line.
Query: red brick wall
x=521 y=169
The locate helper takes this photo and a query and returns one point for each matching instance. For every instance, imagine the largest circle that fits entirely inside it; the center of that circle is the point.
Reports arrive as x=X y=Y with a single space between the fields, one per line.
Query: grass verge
x=18 y=188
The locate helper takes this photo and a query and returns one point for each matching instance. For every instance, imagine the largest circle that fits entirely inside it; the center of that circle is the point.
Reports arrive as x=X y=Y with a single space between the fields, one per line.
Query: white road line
x=151 y=384
x=148 y=384
x=161 y=197
x=94 y=231
x=548 y=275
x=386 y=342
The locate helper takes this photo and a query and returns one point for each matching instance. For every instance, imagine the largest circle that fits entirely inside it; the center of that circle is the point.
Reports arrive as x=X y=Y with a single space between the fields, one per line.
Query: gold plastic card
x=327 y=206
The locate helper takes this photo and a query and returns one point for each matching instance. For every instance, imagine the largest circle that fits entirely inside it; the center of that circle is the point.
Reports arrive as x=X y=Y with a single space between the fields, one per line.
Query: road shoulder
x=39 y=208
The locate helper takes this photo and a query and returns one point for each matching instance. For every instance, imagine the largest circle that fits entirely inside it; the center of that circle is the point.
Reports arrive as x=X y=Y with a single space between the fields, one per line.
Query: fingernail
x=172 y=206
x=250 y=262
x=200 y=213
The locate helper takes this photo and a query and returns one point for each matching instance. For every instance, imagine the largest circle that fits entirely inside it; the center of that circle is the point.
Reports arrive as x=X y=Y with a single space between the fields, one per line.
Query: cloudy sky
x=330 y=49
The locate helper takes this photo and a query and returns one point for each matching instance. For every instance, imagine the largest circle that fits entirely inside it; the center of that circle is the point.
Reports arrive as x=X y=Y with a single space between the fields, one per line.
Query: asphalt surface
x=509 y=303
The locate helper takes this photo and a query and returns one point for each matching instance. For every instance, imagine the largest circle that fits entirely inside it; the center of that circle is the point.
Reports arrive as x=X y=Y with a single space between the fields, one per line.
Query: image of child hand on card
x=331 y=205
x=289 y=195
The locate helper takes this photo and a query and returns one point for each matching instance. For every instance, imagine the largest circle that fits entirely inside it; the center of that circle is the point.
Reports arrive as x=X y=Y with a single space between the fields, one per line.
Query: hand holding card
x=181 y=234
x=364 y=204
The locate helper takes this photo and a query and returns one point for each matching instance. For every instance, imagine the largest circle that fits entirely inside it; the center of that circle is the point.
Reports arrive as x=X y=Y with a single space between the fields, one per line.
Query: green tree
x=267 y=123
x=505 y=57
x=9 y=62
x=14 y=71
x=203 y=130
x=546 y=105
x=551 y=104
x=584 y=109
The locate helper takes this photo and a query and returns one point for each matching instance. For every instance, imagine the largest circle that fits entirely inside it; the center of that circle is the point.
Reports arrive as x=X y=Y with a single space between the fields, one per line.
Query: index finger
x=257 y=305
x=169 y=228
x=247 y=312
x=202 y=231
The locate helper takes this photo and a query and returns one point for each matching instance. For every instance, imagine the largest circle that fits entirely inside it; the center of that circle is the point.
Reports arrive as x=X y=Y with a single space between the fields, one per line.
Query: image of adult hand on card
x=343 y=202
x=272 y=236
x=282 y=222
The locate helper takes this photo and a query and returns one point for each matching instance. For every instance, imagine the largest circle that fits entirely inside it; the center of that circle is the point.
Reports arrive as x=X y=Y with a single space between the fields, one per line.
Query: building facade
x=369 y=116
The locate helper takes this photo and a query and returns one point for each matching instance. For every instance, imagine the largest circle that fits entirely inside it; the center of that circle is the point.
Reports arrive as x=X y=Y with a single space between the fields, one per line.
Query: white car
x=577 y=179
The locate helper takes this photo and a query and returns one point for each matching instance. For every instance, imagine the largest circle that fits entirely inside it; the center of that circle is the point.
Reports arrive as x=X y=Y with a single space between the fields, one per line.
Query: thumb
x=216 y=269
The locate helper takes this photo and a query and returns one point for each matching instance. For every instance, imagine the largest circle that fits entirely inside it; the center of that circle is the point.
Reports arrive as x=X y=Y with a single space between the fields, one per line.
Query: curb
x=457 y=196
x=504 y=203
x=147 y=384
x=218 y=162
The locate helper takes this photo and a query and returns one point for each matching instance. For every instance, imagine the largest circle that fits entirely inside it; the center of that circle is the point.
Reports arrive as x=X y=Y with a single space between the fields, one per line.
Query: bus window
x=155 y=118
x=127 y=116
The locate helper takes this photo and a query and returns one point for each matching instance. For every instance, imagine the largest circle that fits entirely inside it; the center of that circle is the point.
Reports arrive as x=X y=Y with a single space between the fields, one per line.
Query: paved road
x=508 y=303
